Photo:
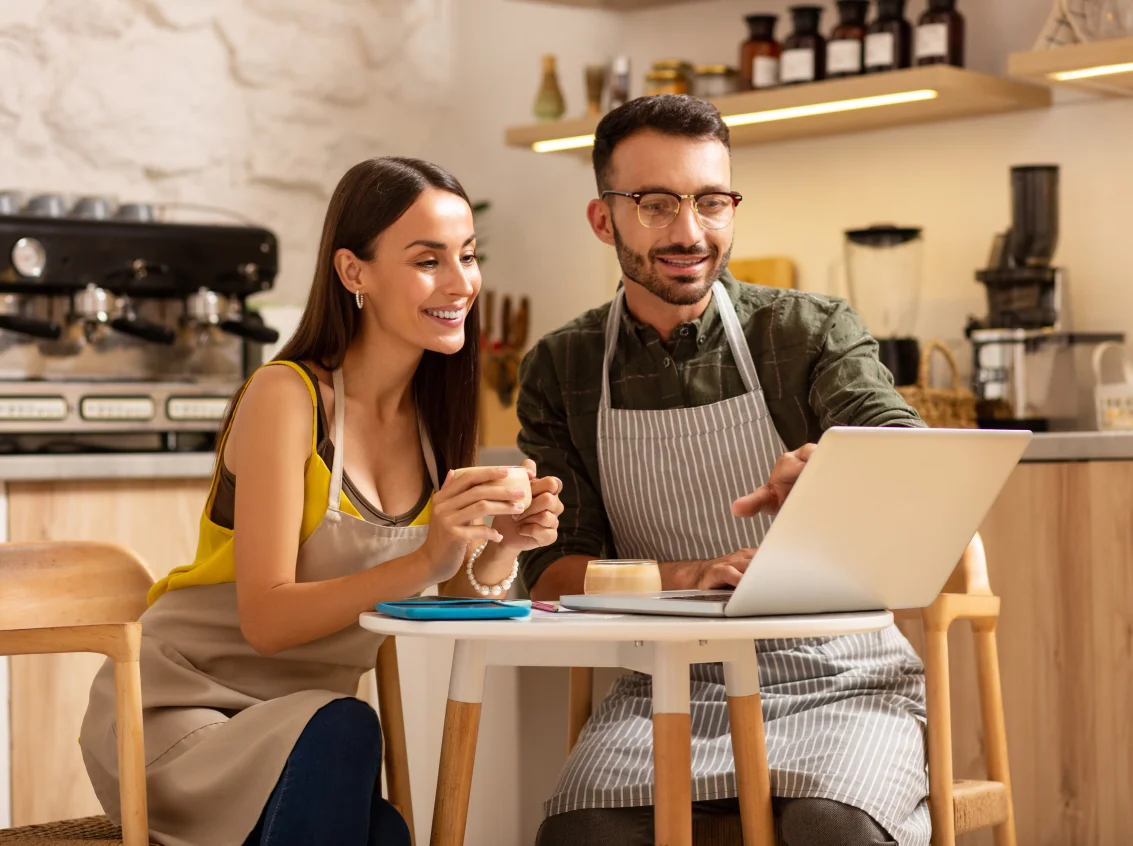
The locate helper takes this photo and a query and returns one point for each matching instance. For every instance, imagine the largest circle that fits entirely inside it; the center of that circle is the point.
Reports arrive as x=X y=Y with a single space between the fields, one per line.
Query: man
x=660 y=412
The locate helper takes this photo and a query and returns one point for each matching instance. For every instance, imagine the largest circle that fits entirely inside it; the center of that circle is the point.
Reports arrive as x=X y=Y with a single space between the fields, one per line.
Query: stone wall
x=255 y=106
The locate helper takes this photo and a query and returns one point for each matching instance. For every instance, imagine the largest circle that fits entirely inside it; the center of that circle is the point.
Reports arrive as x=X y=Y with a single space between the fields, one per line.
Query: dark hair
x=369 y=198
x=670 y=114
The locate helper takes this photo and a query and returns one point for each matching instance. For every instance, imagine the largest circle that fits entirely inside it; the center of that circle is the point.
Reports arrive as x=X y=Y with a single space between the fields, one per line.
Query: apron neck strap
x=335 y=495
x=733 y=332
x=741 y=352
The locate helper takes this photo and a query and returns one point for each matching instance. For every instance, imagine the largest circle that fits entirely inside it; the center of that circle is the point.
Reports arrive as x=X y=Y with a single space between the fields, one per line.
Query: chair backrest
x=970 y=575
x=70 y=583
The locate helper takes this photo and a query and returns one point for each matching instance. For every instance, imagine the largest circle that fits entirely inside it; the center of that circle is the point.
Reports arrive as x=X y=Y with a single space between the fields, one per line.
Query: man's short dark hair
x=669 y=114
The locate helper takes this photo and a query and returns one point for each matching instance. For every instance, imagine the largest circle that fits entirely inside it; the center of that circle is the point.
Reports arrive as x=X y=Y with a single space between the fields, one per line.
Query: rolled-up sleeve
x=848 y=385
x=545 y=438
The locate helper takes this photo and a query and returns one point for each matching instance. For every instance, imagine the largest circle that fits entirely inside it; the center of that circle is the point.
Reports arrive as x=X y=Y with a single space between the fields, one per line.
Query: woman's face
x=423 y=277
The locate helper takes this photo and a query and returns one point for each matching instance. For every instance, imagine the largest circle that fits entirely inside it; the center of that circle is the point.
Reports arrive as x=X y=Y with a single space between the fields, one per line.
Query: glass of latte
x=636 y=575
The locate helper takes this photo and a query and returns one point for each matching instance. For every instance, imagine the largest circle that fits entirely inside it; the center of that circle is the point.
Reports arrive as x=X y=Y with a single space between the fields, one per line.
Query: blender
x=883 y=274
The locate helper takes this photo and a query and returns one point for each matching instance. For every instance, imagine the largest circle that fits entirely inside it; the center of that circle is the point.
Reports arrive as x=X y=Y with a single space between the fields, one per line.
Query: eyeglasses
x=657 y=209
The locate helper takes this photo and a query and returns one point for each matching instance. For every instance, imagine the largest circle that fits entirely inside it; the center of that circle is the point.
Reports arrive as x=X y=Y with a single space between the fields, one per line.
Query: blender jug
x=883 y=274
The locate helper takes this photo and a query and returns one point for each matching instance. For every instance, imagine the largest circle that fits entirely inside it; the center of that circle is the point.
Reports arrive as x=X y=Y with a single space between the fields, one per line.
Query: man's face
x=677 y=263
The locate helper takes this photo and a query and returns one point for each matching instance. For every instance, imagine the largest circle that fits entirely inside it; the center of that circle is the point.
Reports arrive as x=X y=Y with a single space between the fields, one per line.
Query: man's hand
x=706 y=575
x=769 y=497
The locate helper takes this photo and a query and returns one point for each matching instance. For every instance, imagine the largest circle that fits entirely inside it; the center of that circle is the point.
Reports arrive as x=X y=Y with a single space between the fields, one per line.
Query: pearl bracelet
x=485 y=590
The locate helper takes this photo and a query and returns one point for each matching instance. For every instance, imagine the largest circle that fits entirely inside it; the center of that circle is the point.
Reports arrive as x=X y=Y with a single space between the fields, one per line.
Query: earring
x=358 y=298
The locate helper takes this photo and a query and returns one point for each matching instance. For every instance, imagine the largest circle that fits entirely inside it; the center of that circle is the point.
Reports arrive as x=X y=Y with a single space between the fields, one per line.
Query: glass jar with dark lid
x=940 y=35
x=804 y=52
x=889 y=41
x=845 y=49
x=759 y=55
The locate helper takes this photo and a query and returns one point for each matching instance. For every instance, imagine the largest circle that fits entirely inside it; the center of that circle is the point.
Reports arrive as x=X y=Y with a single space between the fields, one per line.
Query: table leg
x=672 y=748
x=458 y=744
x=749 y=747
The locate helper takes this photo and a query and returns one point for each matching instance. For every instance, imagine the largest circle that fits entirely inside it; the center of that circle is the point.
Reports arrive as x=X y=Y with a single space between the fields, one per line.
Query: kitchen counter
x=1045 y=446
x=1049 y=446
x=1080 y=446
x=142 y=465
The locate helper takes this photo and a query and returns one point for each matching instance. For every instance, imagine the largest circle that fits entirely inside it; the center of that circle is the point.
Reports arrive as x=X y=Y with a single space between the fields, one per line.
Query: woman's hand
x=539 y=524
x=457 y=520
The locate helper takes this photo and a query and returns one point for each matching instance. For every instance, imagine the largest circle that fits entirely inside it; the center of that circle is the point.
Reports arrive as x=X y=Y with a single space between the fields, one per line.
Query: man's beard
x=676 y=290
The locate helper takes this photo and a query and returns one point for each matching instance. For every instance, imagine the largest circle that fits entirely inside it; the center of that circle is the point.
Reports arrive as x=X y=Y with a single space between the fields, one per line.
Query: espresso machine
x=1029 y=365
x=120 y=332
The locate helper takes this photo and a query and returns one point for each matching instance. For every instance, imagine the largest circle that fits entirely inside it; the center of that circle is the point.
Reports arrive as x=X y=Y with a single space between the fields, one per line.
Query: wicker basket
x=941 y=408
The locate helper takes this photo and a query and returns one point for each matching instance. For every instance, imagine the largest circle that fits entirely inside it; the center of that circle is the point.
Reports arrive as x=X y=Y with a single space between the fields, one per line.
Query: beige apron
x=220 y=719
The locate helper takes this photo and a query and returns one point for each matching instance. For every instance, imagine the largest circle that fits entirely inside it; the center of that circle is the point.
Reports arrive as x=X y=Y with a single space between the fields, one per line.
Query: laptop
x=878 y=519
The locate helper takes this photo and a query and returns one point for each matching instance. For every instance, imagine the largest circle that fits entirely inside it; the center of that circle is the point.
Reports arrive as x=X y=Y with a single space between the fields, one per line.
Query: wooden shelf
x=617 y=5
x=1045 y=66
x=831 y=107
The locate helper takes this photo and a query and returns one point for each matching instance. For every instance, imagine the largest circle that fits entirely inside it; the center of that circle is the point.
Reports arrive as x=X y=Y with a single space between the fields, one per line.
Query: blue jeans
x=329 y=793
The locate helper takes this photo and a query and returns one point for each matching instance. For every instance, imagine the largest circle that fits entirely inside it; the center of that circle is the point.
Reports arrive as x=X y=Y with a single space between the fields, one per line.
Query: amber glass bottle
x=940 y=35
x=759 y=55
x=804 y=52
x=889 y=42
x=844 y=49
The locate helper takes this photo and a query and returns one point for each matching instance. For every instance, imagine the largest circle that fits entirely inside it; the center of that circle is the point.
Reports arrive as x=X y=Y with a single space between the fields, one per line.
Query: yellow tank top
x=215 y=562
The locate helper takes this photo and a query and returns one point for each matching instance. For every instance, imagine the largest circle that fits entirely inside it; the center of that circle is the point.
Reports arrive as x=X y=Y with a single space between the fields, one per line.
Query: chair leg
x=393 y=731
x=995 y=731
x=131 y=753
x=939 y=737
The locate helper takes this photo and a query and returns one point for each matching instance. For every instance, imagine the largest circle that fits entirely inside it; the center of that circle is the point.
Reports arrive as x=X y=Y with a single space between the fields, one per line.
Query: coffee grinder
x=1025 y=367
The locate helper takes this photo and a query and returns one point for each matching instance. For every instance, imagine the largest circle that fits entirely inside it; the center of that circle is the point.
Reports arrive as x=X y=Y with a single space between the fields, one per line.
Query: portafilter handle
x=33 y=326
x=250 y=331
x=155 y=333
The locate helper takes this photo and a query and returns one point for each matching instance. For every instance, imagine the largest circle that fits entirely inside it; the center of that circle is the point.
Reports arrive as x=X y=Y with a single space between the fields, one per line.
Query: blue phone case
x=468 y=609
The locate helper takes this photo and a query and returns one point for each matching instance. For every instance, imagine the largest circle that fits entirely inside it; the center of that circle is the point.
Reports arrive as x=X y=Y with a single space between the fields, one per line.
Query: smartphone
x=454 y=608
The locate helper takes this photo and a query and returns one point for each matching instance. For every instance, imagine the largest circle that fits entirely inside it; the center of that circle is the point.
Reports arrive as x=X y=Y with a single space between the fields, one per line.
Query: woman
x=335 y=464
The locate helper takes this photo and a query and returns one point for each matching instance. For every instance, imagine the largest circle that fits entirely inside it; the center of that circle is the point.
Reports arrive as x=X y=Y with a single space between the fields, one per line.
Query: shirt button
x=668 y=362
x=684 y=331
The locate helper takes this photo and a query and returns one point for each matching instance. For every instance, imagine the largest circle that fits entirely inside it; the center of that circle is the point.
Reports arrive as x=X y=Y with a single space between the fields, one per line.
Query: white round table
x=663 y=647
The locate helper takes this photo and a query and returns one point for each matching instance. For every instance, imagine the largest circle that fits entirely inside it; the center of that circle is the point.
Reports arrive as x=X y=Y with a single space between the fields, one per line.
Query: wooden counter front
x=1059 y=545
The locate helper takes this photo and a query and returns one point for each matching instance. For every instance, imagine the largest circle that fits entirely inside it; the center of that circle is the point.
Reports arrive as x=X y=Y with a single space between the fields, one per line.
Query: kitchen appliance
x=1030 y=368
x=883 y=275
x=120 y=332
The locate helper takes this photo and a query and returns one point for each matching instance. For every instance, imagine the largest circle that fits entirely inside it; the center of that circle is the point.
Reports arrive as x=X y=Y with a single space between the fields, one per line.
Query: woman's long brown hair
x=369 y=198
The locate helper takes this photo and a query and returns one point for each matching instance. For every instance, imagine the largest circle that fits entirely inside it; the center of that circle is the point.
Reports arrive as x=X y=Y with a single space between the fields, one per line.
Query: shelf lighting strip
x=1090 y=73
x=576 y=142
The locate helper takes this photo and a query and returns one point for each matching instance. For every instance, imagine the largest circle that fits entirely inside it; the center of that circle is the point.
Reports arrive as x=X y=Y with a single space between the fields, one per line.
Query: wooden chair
x=956 y=807
x=86 y=597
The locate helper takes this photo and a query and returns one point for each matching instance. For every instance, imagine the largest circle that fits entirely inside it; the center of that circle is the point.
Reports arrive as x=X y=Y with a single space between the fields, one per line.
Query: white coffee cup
x=516 y=478
x=633 y=575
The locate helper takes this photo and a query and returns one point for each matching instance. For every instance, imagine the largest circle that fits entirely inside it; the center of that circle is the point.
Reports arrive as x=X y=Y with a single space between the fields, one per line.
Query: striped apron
x=844 y=716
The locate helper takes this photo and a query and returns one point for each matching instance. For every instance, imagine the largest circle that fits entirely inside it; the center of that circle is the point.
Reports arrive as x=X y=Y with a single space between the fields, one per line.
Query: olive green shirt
x=816 y=363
